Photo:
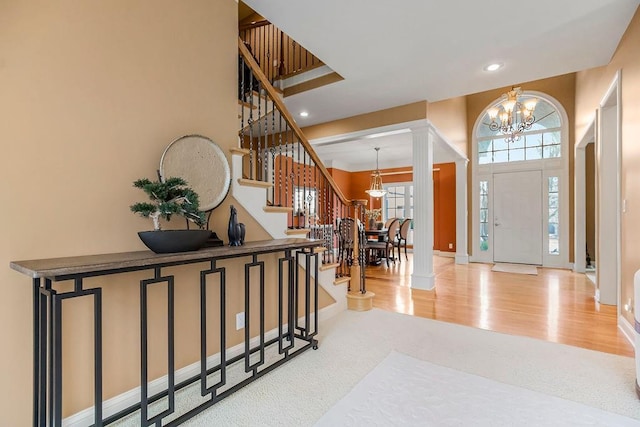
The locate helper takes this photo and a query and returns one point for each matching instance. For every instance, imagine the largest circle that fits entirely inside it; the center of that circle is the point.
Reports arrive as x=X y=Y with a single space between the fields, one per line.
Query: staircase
x=280 y=180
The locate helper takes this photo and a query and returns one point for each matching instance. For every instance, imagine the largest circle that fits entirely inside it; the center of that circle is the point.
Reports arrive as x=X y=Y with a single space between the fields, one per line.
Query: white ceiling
x=395 y=53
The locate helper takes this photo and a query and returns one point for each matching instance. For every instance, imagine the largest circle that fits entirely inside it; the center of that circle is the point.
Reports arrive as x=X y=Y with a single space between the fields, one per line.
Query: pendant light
x=376 y=190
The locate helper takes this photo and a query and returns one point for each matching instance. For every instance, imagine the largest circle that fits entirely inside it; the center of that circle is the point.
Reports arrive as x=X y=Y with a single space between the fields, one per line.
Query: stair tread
x=240 y=151
x=325 y=267
x=297 y=230
x=341 y=280
x=254 y=183
x=277 y=209
x=246 y=104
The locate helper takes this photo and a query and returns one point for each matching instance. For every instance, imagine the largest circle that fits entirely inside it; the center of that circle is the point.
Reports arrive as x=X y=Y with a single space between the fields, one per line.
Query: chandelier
x=376 y=190
x=513 y=116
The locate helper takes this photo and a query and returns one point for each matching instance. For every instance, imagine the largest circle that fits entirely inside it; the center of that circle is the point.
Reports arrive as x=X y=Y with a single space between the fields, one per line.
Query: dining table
x=379 y=234
x=373 y=257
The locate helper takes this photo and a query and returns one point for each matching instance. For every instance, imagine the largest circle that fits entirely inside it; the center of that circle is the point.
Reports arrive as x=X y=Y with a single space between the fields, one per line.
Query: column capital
x=421 y=129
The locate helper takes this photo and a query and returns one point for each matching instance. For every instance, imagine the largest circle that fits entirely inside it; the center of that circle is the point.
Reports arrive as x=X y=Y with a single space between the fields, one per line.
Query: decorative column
x=422 y=276
x=461 y=212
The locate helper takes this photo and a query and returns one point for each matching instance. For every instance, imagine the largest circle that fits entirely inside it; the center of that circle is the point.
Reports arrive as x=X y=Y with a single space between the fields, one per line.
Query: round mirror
x=202 y=163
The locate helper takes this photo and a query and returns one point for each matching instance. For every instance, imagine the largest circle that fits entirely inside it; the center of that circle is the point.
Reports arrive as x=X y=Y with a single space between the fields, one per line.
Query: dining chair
x=388 y=222
x=387 y=245
x=402 y=237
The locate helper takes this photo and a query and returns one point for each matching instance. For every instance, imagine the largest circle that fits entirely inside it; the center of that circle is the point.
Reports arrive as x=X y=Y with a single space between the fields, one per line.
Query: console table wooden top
x=60 y=268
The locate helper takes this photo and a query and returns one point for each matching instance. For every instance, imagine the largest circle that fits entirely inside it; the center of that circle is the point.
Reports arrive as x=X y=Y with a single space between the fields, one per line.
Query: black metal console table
x=297 y=323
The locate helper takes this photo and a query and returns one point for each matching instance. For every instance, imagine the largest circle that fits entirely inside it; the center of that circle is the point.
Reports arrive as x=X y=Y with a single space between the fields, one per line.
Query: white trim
x=462 y=213
x=580 y=199
x=608 y=224
x=462 y=259
x=549 y=167
x=627 y=330
x=445 y=254
x=128 y=398
x=352 y=136
x=423 y=282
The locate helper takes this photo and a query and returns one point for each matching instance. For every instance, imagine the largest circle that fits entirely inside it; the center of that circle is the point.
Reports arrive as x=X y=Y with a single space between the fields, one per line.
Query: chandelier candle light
x=376 y=190
x=513 y=115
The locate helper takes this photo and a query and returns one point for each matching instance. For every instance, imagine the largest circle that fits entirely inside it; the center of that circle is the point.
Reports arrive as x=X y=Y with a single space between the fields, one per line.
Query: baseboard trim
x=122 y=401
x=627 y=330
x=445 y=254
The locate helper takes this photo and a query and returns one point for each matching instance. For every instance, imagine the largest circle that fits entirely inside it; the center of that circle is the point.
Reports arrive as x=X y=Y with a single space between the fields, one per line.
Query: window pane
x=518 y=143
x=550 y=138
x=534 y=153
x=554 y=217
x=501 y=156
x=484 y=146
x=546 y=119
x=484 y=158
x=484 y=214
x=516 y=155
x=499 y=144
x=551 y=151
x=484 y=243
x=534 y=140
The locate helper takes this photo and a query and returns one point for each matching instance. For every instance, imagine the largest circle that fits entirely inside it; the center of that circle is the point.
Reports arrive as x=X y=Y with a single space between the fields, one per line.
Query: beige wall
x=563 y=89
x=591 y=86
x=92 y=92
x=450 y=118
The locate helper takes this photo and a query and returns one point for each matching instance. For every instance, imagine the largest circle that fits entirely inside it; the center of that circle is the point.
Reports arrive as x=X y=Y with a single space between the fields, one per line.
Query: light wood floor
x=556 y=305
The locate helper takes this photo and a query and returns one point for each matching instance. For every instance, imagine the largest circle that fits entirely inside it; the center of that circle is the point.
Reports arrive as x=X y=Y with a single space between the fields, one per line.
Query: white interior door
x=517 y=217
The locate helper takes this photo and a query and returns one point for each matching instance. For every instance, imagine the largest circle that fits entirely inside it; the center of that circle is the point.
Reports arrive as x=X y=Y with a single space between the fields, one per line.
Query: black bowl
x=167 y=241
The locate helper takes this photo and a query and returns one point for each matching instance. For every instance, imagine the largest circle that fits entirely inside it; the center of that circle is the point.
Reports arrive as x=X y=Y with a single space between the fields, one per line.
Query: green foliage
x=168 y=198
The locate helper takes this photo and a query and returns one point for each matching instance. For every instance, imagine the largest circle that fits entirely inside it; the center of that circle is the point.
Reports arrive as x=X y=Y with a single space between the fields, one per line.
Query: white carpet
x=515 y=268
x=403 y=390
x=352 y=344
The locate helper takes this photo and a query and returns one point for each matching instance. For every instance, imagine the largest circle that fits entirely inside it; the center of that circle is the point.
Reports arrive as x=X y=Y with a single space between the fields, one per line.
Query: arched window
x=541 y=141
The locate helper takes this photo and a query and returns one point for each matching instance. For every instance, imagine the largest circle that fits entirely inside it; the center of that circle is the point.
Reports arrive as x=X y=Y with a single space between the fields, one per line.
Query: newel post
x=358 y=210
x=358 y=298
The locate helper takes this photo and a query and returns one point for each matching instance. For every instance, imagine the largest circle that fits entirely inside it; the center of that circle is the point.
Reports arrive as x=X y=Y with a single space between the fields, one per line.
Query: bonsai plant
x=170 y=197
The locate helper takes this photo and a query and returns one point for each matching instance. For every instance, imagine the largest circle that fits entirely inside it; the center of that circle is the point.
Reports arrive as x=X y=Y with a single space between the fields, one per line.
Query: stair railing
x=278 y=55
x=280 y=158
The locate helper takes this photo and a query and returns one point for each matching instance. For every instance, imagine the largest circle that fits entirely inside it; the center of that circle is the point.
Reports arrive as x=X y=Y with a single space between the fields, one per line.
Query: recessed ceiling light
x=304 y=114
x=493 y=67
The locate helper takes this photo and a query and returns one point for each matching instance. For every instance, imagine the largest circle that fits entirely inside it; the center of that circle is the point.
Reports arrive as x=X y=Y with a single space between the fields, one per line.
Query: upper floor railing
x=277 y=54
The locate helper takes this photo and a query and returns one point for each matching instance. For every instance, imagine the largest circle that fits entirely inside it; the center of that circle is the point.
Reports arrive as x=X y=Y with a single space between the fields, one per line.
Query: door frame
x=608 y=179
x=580 y=201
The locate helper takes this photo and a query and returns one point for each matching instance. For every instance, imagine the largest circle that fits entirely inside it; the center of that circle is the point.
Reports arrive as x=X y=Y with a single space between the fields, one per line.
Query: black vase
x=167 y=241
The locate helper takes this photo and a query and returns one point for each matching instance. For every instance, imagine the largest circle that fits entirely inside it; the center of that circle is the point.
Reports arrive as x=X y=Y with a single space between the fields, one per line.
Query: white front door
x=517 y=217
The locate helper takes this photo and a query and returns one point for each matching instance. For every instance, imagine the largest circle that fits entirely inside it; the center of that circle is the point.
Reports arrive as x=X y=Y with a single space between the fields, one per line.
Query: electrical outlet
x=239 y=321
x=450 y=245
